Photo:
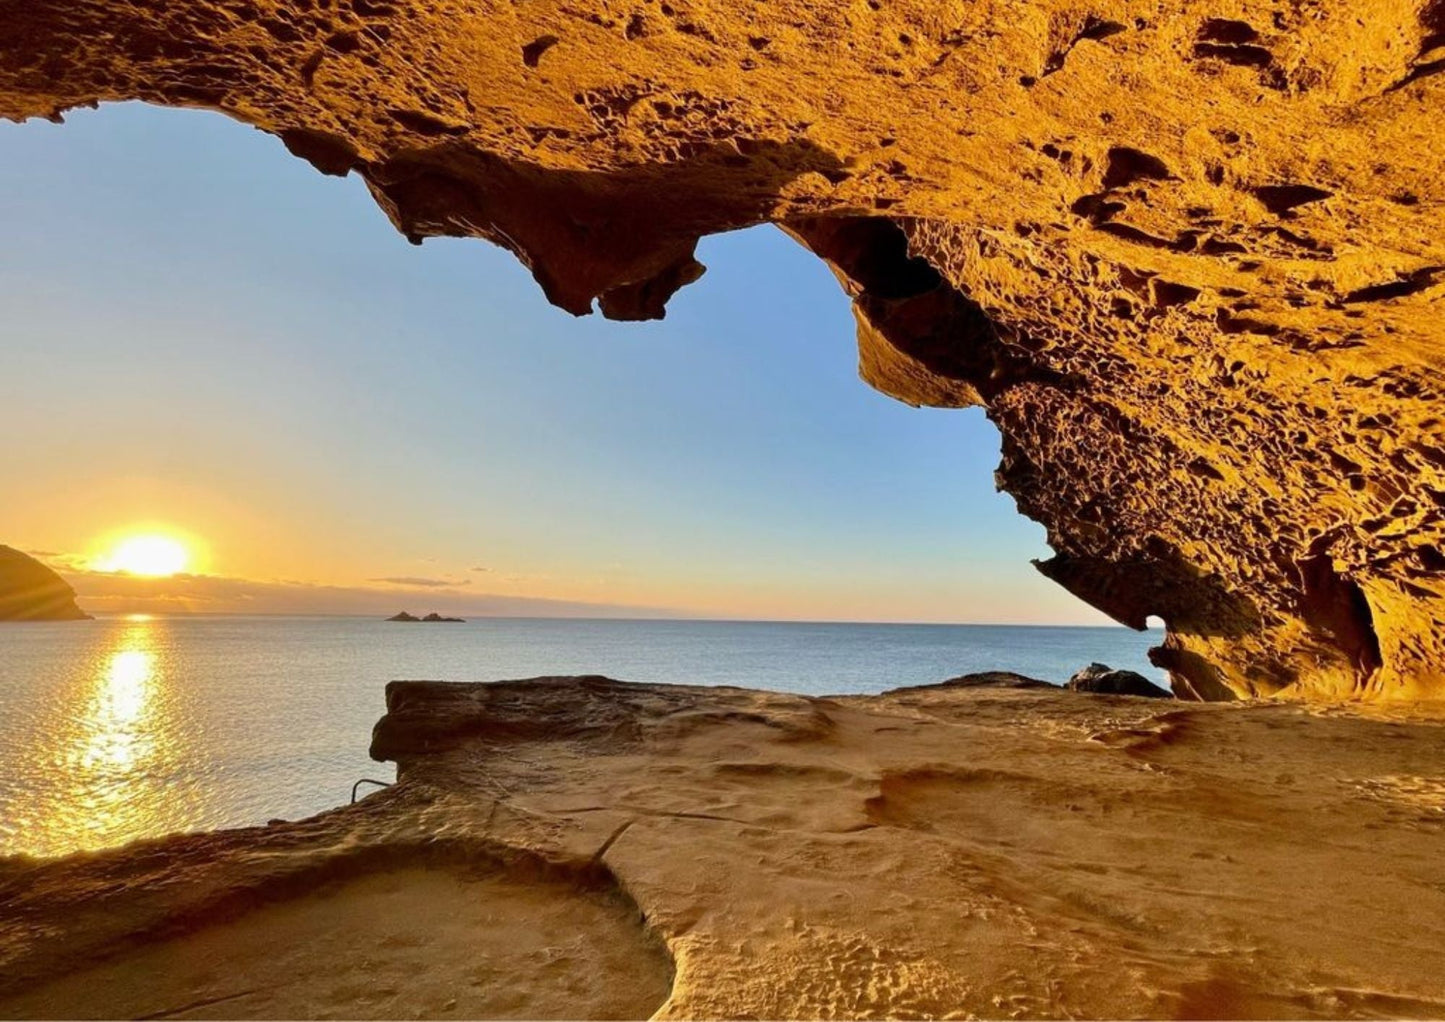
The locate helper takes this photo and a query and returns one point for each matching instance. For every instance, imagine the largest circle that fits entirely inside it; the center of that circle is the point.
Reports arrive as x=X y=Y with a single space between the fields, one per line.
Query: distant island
x=29 y=591
x=429 y=619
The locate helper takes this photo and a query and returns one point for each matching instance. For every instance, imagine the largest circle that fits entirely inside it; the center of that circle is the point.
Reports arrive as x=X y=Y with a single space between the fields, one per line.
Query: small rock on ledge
x=983 y=679
x=1103 y=679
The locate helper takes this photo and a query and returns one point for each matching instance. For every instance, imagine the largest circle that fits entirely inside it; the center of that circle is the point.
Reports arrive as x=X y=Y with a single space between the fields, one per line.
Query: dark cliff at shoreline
x=29 y=591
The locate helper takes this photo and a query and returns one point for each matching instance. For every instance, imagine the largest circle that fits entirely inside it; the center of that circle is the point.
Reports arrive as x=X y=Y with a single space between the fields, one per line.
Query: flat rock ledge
x=995 y=850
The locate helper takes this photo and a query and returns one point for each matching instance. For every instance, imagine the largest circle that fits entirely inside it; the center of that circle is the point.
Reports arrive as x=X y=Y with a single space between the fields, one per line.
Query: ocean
x=125 y=728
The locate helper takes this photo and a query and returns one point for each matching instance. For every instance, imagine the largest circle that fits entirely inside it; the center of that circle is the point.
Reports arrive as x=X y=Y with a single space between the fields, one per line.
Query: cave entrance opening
x=214 y=316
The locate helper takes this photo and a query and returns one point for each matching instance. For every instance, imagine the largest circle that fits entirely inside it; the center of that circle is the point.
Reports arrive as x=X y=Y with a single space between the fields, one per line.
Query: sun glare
x=152 y=556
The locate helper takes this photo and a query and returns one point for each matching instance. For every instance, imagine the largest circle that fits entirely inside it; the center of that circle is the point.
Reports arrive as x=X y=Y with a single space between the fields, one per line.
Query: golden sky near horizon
x=237 y=560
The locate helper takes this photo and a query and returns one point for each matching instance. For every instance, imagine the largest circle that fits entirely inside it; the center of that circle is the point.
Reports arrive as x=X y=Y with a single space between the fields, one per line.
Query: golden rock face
x=1187 y=254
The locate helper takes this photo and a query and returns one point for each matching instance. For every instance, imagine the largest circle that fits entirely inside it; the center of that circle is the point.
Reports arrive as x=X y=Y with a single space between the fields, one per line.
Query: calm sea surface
x=122 y=728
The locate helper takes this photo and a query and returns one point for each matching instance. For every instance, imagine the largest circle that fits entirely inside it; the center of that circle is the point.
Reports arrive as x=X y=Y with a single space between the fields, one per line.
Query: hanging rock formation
x=29 y=591
x=1188 y=255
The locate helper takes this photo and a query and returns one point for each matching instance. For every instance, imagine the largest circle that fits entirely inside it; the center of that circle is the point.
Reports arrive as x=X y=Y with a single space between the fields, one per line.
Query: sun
x=151 y=556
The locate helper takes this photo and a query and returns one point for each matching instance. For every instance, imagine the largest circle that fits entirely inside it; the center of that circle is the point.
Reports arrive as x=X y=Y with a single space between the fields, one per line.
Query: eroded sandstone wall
x=1187 y=254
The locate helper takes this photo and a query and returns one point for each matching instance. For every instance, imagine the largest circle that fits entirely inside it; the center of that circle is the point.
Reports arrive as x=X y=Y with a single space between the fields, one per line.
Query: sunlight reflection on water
x=117 y=706
x=121 y=729
x=121 y=735
x=117 y=747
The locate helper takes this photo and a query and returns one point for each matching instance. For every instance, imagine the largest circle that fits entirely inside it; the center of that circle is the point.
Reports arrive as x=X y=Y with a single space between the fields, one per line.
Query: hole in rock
x=1280 y=199
x=1127 y=166
x=532 y=52
x=1336 y=603
x=1409 y=284
x=1227 y=31
x=1432 y=25
x=1243 y=56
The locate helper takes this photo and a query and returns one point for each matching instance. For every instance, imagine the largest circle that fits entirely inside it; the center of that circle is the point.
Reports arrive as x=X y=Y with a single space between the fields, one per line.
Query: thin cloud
x=108 y=593
x=421 y=583
x=72 y=562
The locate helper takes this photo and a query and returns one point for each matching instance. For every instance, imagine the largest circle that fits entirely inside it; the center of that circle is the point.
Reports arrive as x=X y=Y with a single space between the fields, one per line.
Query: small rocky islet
x=430 y=619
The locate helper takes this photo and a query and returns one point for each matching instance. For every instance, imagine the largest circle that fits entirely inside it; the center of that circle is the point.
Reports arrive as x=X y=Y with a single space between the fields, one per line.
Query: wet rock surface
x=1189 y=255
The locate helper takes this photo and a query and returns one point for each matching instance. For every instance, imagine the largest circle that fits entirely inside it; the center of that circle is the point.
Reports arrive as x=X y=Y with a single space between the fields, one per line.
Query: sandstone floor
x=577 y=847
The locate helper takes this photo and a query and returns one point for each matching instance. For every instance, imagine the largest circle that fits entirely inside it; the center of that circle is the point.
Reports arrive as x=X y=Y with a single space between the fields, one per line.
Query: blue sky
x=202 y=335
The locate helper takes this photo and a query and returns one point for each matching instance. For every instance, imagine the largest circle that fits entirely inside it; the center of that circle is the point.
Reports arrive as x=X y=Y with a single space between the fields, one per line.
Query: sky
x=201 y=336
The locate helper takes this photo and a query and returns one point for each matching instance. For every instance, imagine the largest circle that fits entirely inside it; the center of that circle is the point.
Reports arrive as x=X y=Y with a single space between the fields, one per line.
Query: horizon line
x=681 y=619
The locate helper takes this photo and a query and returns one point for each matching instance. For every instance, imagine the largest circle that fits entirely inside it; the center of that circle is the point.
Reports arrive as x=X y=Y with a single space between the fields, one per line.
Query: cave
x=1186 y=261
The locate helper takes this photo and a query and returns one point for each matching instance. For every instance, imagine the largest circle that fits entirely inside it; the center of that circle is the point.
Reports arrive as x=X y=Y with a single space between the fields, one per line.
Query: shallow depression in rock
x=406 y=943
